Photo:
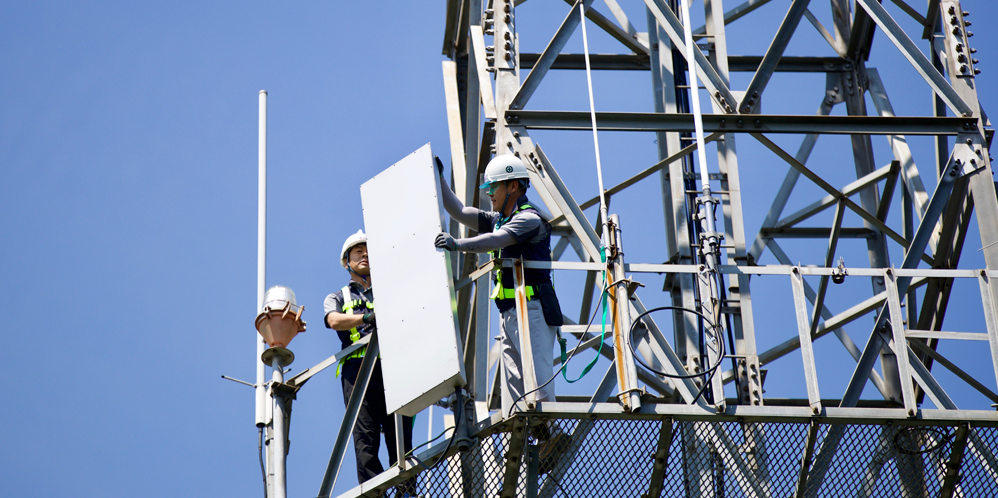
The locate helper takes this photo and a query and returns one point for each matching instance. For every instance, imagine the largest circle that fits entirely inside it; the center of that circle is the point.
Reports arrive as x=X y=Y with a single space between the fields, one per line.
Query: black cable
x=263 y=471
x=450 y=441
x=582 y=339
x=556 y=483
x=438 y=436
x=943 y=439
x=710 y=371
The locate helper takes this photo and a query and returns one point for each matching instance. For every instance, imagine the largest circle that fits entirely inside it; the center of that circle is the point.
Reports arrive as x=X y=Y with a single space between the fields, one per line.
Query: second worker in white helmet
x=512 y=229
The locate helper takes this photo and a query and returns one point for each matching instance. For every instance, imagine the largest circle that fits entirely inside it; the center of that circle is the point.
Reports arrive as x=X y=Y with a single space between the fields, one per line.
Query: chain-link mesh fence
x=980 y=462
x=640 y=457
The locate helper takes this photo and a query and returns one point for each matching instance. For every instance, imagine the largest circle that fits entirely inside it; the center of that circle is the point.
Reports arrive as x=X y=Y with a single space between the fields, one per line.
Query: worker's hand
x=440 y=165
x=370 y=319
x=445 y=241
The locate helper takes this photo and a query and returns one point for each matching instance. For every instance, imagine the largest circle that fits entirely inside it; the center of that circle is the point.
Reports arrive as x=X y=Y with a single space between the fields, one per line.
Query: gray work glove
x=370 y=319
x=445 y=241
x=440 y=165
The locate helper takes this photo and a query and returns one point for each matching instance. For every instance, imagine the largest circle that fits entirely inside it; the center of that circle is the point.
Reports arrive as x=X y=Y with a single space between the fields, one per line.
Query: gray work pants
x=542 y=338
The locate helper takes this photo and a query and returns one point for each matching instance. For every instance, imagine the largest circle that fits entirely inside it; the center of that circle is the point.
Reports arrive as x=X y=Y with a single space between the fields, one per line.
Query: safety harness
x=348 y=307
x=500 y=292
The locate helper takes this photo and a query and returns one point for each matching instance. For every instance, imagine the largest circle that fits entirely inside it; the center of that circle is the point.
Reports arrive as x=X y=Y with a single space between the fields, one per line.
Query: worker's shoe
x=550 y=452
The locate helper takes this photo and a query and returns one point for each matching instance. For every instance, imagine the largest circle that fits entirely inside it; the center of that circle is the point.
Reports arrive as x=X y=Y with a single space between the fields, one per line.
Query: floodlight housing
x=280 y=320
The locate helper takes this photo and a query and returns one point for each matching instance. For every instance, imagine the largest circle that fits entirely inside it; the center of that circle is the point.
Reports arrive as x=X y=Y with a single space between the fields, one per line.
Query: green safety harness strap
x=563 y=343
x=348 y=307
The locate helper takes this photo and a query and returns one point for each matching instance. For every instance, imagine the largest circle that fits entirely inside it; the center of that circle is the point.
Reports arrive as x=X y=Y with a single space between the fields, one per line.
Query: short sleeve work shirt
x=524 y=226
x=334 y=303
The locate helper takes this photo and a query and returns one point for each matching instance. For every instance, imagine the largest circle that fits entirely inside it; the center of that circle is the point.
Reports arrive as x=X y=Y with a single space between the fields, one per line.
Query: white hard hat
x=504 y=167
x=353 y=240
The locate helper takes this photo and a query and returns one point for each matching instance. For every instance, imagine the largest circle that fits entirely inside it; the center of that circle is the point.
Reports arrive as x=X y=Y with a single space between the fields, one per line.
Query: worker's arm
x=467 y=216
x=337 y=320
x=343 y=321
x=520 y=228
x=480 y=243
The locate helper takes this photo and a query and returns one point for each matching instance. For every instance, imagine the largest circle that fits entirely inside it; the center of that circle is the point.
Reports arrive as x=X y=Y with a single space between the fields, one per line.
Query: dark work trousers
x=371 y=421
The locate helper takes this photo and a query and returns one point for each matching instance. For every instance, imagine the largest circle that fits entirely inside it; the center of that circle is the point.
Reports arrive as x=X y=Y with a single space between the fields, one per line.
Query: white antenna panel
x=421 y=355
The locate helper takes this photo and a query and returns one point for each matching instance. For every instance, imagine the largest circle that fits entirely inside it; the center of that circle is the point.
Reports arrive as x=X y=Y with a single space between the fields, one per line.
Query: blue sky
x=128 y=142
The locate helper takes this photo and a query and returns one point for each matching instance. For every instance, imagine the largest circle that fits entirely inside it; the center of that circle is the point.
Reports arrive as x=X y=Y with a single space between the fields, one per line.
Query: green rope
x=564 y=350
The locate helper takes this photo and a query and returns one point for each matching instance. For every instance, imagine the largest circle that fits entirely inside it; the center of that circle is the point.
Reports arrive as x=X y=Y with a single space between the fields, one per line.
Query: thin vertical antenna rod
x=592 y=115
x=697 y=118
x=261 y=259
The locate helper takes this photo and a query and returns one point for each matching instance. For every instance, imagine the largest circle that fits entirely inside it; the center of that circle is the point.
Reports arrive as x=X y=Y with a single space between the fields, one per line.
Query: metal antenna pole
x=279 y=443
x=710 y=238
x=261 y=259
x=261 y=281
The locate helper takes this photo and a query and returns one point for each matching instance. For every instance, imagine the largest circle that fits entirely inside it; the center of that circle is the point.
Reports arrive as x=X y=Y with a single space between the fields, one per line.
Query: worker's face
x=358 y=260
x=502 y=189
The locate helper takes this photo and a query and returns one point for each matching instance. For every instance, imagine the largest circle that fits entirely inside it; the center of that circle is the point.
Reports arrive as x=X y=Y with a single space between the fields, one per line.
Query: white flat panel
x=413 y=286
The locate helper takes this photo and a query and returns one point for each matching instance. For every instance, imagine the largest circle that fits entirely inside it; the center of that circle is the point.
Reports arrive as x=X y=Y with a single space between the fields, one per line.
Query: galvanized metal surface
x=630 y=456
x=818 y=446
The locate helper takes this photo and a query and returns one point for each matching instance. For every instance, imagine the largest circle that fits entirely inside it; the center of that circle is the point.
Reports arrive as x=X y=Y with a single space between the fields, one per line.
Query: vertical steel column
x=627 y=376
x=279 y=443
x=739 y=297
x=665 y=95
x=870 y=201
x=900 y=343
x=987 y=286
x=507 y=71
x=528 y=372
x=661 y=458
x=805 y=461
x=806 y=348
x=349 y=418
x=962 y=77
x=952 y=476
x=662 y=79
x=473 y=120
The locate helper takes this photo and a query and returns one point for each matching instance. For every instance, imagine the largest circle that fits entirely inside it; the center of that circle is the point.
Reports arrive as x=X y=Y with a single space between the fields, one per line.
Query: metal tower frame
x=747 y=445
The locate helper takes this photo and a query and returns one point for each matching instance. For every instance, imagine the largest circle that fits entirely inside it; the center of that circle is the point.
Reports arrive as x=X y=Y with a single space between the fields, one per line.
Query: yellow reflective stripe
x=348 y=307
x=356 y=354
x=354 y=333
x=502 y=293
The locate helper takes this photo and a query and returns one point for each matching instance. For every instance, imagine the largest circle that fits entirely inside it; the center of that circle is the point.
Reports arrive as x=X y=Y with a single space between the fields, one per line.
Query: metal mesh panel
x=617 y=457
x=980 y=467
x=879 y=461
x=733 y=459
x=475 y=473
x=600 y=458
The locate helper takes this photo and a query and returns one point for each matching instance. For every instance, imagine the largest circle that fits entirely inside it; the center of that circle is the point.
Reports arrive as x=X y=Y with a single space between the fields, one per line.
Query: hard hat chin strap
x=350 y=269
x=502 y=210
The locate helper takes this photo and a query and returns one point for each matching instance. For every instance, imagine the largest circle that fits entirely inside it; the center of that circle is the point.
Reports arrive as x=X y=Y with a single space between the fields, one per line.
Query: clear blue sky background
x=128 y=142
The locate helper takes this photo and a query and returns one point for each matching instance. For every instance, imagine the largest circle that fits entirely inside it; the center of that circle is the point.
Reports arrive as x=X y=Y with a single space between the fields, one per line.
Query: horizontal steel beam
x=815 y=233
x=757 y=270
x=640 y=62
x=751 y=413
x=649 y=121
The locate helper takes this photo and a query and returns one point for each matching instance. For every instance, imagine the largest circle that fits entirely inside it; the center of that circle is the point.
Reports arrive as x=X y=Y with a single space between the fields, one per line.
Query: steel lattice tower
x=673 y=441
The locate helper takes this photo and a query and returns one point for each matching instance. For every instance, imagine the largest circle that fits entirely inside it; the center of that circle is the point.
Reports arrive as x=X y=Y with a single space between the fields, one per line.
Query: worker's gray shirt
x=525 y=227
x=334 y=303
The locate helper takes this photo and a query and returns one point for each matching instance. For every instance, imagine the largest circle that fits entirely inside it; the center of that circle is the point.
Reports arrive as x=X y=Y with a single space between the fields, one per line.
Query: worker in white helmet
x=350 y=311
x=513 y=229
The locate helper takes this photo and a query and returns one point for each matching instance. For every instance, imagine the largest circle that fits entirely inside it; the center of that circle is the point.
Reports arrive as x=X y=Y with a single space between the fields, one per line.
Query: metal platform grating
x=725 y=458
